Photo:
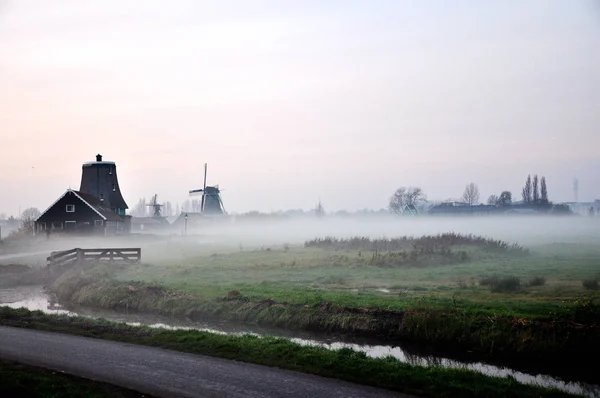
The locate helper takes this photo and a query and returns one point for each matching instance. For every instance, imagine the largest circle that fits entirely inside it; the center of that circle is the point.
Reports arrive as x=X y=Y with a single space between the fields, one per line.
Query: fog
x=227 y=233
x=522 y=230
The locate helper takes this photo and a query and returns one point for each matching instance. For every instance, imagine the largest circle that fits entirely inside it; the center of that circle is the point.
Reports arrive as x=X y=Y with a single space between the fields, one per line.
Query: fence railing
x=83 y=256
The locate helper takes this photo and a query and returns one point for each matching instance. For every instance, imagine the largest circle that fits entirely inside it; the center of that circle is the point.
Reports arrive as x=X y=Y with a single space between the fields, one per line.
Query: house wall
x=84 y=219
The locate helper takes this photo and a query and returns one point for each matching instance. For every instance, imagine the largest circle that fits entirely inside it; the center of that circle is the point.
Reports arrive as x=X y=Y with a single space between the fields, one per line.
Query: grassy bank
x=18 y=380
x=502 y=330
x=341 y=364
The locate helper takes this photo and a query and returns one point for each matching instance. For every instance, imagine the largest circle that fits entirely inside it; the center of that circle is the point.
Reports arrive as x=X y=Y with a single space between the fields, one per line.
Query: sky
x=292 y=102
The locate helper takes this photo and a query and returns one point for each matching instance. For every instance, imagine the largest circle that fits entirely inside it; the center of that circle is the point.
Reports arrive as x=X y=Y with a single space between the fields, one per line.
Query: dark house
x=80 y=212
x=97 y=208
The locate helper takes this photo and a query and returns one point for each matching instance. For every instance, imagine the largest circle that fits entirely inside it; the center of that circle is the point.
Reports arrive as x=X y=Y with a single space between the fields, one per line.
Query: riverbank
x=341 y=364
x=542 y=341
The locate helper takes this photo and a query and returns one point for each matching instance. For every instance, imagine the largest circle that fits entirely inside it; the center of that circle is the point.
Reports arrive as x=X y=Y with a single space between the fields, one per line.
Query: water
x=35 y=298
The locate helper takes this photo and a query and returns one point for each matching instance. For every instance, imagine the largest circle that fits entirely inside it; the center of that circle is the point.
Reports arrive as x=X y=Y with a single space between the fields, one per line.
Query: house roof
x=91 y=201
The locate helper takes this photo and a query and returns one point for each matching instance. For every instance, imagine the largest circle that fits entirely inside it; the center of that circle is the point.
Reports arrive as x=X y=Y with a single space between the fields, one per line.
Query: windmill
x=154 y=204
x=211 y=197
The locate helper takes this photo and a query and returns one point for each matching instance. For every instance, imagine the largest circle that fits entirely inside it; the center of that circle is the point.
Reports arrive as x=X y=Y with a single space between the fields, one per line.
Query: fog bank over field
x=231 y=234
x=522 y=230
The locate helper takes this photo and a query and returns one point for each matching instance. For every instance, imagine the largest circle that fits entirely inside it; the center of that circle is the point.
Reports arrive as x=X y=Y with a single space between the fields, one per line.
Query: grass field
x=548 y=275
x=458 y=295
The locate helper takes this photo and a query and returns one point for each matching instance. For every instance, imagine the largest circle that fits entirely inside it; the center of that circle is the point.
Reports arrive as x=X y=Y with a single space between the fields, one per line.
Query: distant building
x=460 y=208
x=149 y=224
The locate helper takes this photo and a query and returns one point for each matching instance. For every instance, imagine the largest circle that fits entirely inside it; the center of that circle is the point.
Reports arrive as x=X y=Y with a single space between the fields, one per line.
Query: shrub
x=489 y=281
x=461 y=283
x=590 y=284
x=537 y=281
x=506 y=284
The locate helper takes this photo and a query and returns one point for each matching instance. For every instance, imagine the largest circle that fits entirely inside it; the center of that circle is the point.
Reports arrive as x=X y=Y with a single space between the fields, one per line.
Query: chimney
x=98 y=158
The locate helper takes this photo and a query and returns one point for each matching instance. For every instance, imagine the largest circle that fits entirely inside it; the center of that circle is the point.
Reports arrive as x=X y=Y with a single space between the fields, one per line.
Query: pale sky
x=292 y=101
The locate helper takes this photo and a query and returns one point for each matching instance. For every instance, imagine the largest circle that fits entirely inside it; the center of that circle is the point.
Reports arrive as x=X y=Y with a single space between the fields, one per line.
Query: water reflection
x=35 y=298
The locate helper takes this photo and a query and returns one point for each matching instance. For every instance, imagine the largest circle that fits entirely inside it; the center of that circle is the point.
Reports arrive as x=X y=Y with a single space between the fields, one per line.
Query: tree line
x=534 y=193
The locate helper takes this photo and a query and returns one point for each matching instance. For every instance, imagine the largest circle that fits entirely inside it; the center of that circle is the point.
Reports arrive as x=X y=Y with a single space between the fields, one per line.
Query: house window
x=70 y=224
x=70 y=208
x=98 y=223
x=114 y=187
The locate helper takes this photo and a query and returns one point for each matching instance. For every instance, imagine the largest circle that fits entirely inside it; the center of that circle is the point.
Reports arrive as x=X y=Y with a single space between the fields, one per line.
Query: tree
x=543 y=192
x=28 y=218
x=536 y=191
x=471 y=194
x=493 y=200
x=411 y=196
x=527 y=194
x=505 y=198
x=319 y=210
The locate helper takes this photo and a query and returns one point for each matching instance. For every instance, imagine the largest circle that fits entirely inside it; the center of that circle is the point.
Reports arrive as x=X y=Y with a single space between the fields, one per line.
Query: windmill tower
x=99 y=179
x=155 y=206
x=211 y=197
x=576 y=190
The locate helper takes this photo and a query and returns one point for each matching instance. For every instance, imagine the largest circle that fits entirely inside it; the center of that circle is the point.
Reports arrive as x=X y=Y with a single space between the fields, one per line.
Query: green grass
x=18 y=380
x=444 y=306
x=343 y=364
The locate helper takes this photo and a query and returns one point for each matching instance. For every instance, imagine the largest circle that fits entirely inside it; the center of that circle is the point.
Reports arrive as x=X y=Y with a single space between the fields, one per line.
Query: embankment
x=549 y=342
x=18 y=275
x=342 y=364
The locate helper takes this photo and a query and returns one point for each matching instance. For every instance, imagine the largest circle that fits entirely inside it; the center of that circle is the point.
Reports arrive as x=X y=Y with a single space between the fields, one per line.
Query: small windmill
x=154 y=204
x=211 y=197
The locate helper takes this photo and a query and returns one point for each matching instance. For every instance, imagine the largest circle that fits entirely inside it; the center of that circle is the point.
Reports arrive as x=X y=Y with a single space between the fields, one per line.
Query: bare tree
x=28 y=218
x=411 y=196
x=471 y=194
x=527 y=191
x=535 y=189
x=493 y=200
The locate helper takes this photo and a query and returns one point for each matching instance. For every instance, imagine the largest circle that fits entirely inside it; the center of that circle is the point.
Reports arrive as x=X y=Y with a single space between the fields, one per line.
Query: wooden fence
x=84 y=256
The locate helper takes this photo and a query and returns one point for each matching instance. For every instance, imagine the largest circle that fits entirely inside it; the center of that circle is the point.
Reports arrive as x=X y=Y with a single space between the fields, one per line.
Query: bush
x=590 y=284
x=505 y=284
x=537 y=281
x=489 y=281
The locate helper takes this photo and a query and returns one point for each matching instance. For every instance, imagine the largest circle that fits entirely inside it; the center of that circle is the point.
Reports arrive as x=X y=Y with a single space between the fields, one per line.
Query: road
x=166 y=373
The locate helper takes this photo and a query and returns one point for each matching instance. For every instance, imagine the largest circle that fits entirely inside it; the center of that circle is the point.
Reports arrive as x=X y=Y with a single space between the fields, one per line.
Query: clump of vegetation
x=590 y=284
x=506 y=284
x=489 y=280
x=415 y=257
x=537 y=281
x=423 y=244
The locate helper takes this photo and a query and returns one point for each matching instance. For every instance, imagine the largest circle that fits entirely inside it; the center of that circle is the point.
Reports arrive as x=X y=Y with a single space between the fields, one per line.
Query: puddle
x=35 y=298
